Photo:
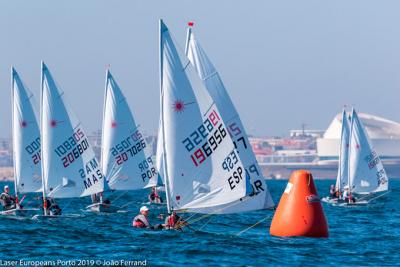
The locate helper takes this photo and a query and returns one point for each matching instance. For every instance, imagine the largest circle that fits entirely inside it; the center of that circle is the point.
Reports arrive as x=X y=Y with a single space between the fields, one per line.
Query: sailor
x=348 y=197
x=142 y=221
x=332 y=191
x=337 y=193
x=98 y=198
x=52 y=207
x=174 y=221
x=345 y=194
x=94 y=198
x=7 y=201
x=154 y=197
x=106 y=202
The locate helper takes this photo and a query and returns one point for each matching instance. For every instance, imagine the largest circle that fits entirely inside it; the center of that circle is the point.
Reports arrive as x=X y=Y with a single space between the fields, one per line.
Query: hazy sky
x=284 y=62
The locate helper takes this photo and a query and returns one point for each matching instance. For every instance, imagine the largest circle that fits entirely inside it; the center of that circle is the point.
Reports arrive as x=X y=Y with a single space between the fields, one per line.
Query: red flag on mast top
x=190 y=23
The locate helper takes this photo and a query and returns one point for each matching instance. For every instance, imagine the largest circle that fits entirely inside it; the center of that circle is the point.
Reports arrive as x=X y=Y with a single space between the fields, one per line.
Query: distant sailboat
x=361 y=174
x=69 y=166
x=26 y=143
x=123 y=155
x=366 y=173
x=342 y=179
x=202 y=170
x=261 y=198
x=124 y=160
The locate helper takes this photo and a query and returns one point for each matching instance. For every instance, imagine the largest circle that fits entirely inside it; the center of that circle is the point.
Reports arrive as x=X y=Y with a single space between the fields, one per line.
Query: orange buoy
x=300 y=212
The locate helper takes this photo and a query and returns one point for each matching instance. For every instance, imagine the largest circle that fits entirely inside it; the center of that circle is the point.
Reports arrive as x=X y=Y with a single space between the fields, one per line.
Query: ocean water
x=359 y=236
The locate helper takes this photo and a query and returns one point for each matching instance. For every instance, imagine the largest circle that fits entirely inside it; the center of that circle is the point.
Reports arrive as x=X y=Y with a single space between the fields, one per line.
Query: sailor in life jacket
x=154 y=197
x=174 y=221
x=348 y=197
x=51 y=207
x=141 y=220
x=98 y=198
x=7 y=201
x=332 y=191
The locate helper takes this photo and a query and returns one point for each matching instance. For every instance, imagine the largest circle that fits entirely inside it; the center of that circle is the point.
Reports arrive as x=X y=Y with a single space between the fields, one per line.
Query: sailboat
x=342 y=180
x=367 y=177
x=69 y=166
x=124 y=158
x=261 y=197
x=26 y=144
x=202 y=169
x=361 y=174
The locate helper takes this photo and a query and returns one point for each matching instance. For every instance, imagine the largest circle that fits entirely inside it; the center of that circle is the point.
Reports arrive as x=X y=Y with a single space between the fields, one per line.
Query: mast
x=189 y=32
x=348 y=157
x=161 y=27
x=12 y=116
x=41 y=143
x=102 y=130
x=102 y=135
x=340 y=159
x=340 y=151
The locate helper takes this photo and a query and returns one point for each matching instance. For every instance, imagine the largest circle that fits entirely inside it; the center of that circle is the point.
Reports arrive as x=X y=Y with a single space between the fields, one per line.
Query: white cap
x=144 y=208
x=5 y=187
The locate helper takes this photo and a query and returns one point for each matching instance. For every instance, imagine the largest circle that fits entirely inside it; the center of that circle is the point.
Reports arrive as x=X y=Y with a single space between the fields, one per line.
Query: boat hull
x=20 y=212
x=353 y=204
x=44 y=217
x=101 y=207
x=330 y=200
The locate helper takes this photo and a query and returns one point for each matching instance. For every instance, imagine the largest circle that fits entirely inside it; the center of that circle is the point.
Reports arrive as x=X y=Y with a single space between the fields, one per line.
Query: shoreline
x=7 y=174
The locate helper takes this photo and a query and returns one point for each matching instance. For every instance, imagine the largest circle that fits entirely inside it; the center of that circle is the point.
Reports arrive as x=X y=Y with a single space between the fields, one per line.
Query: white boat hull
x=20 y=212
x=342 y=203
x=101 y=207
x=354 y=204
x=330 y=200
x=41 y=216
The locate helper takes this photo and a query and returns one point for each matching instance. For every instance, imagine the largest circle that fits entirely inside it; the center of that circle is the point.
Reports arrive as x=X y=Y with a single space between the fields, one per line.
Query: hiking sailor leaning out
x=142 y=221
x=7 y=201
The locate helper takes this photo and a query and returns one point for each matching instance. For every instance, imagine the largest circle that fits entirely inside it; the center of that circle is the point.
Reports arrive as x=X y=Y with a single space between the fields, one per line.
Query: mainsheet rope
x=214 y=212
x=373 y=197
x=252 y=226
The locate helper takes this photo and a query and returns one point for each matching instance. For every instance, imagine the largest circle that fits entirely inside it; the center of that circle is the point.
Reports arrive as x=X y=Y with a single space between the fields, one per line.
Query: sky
x=284 y=63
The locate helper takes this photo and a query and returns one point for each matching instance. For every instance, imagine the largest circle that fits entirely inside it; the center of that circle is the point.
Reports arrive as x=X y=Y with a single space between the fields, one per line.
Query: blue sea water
x=359 y=236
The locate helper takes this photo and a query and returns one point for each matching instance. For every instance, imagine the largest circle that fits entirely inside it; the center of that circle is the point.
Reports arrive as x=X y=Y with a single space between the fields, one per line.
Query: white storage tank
x=384 y=135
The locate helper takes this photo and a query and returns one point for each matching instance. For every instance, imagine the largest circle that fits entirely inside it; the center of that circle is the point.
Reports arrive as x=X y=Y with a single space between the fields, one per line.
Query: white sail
x=366 y=174
x=202 y=166
x=26 y=138
x=123 y=156
x=342 y=180
x=160 y=155
x=69 y=166
x=261 y=198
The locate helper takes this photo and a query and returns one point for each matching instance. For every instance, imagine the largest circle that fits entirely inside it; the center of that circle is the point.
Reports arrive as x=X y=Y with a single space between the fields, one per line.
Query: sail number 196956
x=206 y=138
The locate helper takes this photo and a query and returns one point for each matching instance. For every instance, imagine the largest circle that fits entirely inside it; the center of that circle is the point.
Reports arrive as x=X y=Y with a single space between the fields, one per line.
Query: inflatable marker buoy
x=299 y=211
